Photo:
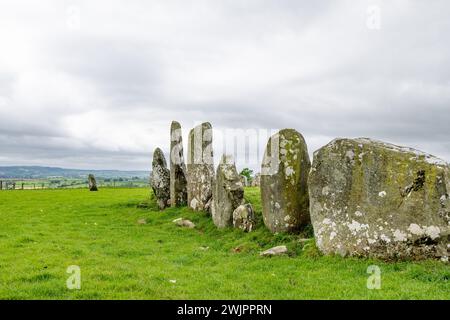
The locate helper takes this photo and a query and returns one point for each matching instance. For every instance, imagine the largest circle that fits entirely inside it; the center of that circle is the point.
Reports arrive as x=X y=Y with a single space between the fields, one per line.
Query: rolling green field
x=43 y=232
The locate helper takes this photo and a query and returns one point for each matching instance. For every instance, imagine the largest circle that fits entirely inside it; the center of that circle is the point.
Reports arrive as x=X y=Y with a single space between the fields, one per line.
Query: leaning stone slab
x=160 y=179
x=374 y=199
x=284 y=182
x=200 y=166
x=92 y=183
x=244 y=217
x=228 y=193
x=275 y=251
x=178 y=182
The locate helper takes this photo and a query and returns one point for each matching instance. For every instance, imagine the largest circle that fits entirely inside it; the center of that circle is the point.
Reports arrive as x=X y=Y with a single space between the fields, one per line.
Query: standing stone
x=244 y=180
x=374 y=199
x=284 y=182
x=200 y=166
x=256 y=181
x=160 y=179
x=228 y=193
x=178 y=182
x=92 y=183
x=244 y=217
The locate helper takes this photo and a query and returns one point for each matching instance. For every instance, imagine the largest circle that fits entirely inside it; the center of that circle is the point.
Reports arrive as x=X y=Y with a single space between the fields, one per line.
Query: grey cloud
x=312 y=66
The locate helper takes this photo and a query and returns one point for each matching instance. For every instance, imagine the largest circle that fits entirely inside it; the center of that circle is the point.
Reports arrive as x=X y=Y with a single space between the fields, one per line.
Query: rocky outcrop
x=228 y=193
x=200 y=166
x=284 y=182
x=244 y=217
x=160 y=179
x=92 y=183
x=374 y=199
x=178 y=182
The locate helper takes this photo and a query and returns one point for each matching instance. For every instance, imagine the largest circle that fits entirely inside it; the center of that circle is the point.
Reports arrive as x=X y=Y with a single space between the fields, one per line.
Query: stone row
x=362 y=197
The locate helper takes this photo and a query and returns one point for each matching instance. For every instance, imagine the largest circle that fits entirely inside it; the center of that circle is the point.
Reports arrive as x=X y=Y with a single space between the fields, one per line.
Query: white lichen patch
x=415 y=229
x=356 y=227
x=385 y=238
x=399 y=236
x=325 y=190
x=359 y=213
x=433 y=232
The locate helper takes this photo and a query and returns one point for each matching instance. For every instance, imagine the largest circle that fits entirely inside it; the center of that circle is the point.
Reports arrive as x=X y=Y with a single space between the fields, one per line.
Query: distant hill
x=36 y=172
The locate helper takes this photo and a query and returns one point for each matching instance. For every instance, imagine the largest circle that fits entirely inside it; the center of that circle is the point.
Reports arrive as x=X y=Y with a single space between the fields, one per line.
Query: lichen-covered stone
x=92 y=183
x=178 y=182
x=284 y=182
x=200 y=166
x=244 y=217
x=228 y=193
x=370 y=198
x=160 y=179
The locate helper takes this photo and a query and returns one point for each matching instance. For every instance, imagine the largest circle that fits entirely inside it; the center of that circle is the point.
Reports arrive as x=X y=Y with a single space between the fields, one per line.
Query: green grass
x=42 y=232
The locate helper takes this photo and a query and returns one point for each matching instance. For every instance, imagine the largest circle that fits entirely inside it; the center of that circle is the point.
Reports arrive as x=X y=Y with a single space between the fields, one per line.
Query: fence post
x=1 y=185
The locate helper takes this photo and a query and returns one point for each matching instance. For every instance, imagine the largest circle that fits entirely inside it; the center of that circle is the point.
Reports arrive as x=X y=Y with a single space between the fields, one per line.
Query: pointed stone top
x=175 y=125
x=158 y=158
x=227 y=159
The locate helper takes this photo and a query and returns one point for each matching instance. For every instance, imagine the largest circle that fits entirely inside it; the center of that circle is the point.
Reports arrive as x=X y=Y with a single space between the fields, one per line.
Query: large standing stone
x=370 y=198
x=200 y=166
x=160 y=179
x=178 y=182
x=92 y=183
x=228 y=193
x=284 y=182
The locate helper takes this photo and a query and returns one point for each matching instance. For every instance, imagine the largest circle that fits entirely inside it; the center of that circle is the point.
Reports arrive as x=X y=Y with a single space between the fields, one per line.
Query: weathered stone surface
x=200 y=166
x=92 y=183
x=284 y=182
x=370 y=198
x=178 y=182
x=160 y=179
x=228 y=193
x=184 y=223
x=256 y=181
x=275 y=251
x=244 y=217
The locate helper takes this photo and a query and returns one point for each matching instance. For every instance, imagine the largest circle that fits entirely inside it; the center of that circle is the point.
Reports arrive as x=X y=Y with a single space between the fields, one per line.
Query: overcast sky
x=95 y=84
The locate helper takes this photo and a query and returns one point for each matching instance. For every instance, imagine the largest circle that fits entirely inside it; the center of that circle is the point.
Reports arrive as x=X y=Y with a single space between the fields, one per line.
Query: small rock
x=274 y=251
x=142 y=221
x=184 y=223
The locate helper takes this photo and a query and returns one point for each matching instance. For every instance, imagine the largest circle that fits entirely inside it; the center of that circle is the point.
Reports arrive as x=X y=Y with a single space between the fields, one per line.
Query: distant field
x=71 y=183
x=42 y=232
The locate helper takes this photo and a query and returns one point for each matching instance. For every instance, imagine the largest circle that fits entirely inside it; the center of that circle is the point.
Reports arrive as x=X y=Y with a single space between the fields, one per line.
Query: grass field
x=42 y=232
